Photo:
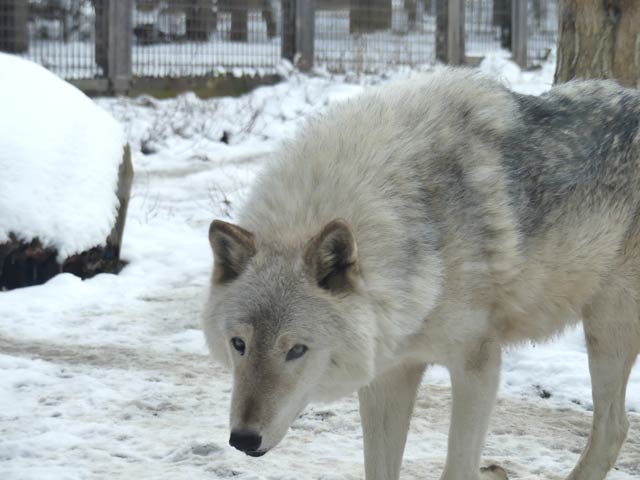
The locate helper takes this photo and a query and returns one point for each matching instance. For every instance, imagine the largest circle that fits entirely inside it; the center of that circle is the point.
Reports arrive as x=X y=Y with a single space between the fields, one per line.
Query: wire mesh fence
x=370 y=36
x=542 y=30
x=60 y=34
x=485 y=23
x=201 y=37
x=195 y=38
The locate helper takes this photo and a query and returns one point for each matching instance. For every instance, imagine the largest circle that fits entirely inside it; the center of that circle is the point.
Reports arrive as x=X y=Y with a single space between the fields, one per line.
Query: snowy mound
x=59 y=158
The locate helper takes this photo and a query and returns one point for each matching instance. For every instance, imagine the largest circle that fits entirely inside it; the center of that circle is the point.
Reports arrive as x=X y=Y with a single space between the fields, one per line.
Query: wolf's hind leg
x=386 y=406
x=474 y=383
x=612 y=332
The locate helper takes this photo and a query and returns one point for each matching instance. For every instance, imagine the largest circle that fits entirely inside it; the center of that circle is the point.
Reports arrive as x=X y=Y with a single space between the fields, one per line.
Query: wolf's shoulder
x=588 y=97
x=599 y=89
x=461 y=98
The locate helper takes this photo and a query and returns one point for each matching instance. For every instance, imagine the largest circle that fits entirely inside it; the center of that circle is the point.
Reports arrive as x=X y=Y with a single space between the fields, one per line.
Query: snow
x=110 y=378
x=59 y=158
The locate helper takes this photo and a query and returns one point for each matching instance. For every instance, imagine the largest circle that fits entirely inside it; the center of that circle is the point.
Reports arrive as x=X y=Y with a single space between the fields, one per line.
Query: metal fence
x=116 y=42
x=200 y=37
x=542 y=29
x=370 y=36
x=485 y=23
x=61 y=35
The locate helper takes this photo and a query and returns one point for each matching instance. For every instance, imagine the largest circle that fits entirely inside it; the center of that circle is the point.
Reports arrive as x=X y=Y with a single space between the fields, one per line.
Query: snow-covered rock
x=59 y=159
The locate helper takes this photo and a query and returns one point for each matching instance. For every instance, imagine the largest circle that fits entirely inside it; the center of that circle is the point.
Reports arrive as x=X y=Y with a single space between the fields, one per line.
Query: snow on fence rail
x=116 y=42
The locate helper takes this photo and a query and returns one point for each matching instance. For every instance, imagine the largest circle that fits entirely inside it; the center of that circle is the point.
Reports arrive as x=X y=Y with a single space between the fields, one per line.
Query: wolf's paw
x=493 y=472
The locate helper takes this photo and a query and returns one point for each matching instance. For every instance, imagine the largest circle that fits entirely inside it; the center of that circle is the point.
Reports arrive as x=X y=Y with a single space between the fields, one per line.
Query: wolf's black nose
x=245 y=440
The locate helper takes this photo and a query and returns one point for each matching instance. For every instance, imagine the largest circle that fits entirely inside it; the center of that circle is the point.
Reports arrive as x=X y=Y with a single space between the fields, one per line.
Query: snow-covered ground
x=109 y=377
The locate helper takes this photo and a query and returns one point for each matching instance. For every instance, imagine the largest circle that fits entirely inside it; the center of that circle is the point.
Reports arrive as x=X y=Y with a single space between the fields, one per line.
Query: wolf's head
x=291 y=322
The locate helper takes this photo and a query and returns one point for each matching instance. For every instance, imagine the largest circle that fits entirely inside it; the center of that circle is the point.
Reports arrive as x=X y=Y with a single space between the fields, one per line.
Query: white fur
x=444 y=274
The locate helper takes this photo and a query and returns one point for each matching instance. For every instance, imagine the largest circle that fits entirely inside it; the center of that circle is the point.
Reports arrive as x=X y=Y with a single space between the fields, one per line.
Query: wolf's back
x=455 y=163
x=385 y=153
x=576 y=152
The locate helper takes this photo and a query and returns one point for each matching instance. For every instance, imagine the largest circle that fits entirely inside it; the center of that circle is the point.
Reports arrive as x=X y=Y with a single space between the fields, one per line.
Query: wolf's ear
x=331 y=257
x=232 y=246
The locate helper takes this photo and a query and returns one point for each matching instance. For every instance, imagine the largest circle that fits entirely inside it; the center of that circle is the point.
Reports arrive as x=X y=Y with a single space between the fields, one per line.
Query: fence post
x=455 y=33
x=14 y=31
x=450 y=31
x=305 y=33
x=288 y=45
x=101 y=27
x=119 y=45
x=239 y=21
x=519 y=32
x=442 y=22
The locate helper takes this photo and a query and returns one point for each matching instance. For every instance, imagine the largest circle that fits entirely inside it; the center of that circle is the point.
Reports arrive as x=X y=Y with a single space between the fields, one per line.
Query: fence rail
x=114 y=43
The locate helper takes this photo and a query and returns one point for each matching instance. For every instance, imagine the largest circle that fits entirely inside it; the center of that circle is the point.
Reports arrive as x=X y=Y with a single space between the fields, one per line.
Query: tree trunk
x=599 y=39
x=369 y=15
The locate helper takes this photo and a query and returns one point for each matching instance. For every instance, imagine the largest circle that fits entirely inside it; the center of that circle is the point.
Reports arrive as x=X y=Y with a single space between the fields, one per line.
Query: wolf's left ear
x=232 y=246
x=331 y=257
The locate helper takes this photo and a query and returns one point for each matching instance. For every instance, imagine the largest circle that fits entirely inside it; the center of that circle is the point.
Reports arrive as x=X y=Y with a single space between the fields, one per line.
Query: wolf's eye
x=296 y=352
x=238 y=344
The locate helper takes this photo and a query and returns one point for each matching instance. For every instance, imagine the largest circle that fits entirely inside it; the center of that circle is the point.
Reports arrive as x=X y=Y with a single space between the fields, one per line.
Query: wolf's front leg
x=475 y=376
x=386 y=406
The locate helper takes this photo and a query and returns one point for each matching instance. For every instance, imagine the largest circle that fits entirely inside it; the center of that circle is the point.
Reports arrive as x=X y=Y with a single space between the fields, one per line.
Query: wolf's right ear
x=232 y=246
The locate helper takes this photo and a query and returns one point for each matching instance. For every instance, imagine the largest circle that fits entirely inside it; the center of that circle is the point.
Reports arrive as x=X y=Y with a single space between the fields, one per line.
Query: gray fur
x=479 y=217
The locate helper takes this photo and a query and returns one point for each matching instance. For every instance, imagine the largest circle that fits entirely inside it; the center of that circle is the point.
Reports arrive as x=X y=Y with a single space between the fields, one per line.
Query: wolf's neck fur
x=361 y=162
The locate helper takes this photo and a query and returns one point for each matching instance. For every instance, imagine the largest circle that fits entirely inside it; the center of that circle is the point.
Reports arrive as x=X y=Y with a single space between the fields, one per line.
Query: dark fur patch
x=331 y=257
x=571 y=149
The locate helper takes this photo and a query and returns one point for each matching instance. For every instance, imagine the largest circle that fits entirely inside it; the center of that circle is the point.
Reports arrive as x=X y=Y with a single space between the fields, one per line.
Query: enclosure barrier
x=122 y=45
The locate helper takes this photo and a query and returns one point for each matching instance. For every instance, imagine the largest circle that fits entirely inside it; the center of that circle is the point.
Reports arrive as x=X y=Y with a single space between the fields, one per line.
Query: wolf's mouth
x=256 y=453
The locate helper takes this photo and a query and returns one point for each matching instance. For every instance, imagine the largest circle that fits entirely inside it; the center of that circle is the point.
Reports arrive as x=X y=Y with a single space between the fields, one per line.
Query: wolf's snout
x=245 y=441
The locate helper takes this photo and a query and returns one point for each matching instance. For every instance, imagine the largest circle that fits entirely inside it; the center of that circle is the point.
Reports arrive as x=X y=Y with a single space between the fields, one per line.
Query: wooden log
x=125 y=180
x=26 y=263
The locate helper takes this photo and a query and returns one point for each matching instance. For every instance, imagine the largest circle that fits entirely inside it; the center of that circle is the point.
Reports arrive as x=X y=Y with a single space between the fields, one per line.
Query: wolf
x=433 y=221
